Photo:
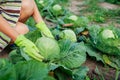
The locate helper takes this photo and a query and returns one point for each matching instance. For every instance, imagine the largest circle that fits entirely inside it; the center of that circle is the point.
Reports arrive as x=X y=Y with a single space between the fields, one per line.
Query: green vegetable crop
x=68 y=34
x=48 y=48
x=105 y=39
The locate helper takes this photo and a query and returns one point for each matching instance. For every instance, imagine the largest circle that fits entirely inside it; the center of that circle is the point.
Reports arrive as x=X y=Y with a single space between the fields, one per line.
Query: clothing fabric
x=9 y=10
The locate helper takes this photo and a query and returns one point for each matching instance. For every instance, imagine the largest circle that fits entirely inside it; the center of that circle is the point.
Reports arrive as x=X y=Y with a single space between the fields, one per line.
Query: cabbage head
x=57 y=7
x=107 y=33
x=48 y=48
x=57 y=10
x=68 y=34
x=73 y=17
x=105 y=39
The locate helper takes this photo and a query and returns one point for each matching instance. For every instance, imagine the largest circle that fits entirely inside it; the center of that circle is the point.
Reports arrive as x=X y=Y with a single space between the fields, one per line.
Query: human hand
x=44 y=30
x=28 y=47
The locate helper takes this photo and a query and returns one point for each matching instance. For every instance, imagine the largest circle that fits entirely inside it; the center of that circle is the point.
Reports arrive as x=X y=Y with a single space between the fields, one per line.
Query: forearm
x=7 y=29
x=36 y=15
x=40 y=23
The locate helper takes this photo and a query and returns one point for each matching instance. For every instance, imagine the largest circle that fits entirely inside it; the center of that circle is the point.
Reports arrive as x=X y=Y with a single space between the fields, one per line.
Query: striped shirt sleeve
x=10 y=10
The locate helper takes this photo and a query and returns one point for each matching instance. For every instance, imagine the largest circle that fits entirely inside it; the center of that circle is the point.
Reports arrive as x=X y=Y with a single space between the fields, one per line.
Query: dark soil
x=5 y=52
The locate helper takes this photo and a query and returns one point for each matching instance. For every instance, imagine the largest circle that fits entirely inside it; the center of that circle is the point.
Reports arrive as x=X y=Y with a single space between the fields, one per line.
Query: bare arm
x=36 y=14
x=7 y=29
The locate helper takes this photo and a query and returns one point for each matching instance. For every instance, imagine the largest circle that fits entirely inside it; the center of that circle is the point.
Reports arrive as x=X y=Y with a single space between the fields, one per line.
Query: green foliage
x=98 y=16
x=113 y=1
x=76 y=21
x=92 y=52
x=31 y=70
x=72 y=55
x=15 y=56
x=7 y=70
x=30 y=22
x=80 y=73
x=23 y=70
x=112 y=61
x=63 y=73
x=112 y=13
x=33 y=35
x=46 y=7
x=106 y=45
x=92 y=5
x=49 y=78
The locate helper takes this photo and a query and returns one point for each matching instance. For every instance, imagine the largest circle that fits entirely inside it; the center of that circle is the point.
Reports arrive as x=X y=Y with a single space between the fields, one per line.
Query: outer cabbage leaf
x=15 y=56
x=49 y=78
x=7 y=70
x=33 y=35
x=63 y=73
x=60 y=72
x=80 y=73
x=72 y=55
x=93 y=52
x=31 y=70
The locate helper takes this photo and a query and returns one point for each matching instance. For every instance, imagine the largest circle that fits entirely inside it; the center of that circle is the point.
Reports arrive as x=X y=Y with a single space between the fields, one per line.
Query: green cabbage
x=68 y=34
x=57 y=7
x=108 y=34
x=48 y=48
x=73 y=17
x=41 y=2
x=72 y=55
x=56 y=10
x=105 y=39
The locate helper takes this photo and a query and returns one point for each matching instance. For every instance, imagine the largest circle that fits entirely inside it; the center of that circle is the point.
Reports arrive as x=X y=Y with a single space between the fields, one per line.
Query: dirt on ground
x=108 y=5
x=5 y=52
x=75 y=6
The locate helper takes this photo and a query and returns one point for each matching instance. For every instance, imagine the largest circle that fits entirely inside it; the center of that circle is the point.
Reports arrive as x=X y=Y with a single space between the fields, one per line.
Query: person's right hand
x=28 y=47
x=44 y=29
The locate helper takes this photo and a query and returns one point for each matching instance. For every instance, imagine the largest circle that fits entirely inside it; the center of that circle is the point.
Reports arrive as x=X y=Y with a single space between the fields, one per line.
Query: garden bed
x=99 y=13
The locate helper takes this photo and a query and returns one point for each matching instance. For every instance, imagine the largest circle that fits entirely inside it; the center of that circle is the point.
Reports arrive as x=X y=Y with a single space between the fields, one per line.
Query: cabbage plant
x=72 y=55
x=77 y=21
x=105 y=39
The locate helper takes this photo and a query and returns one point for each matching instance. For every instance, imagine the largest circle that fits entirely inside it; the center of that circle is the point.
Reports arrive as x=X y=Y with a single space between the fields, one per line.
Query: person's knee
x=21 y=28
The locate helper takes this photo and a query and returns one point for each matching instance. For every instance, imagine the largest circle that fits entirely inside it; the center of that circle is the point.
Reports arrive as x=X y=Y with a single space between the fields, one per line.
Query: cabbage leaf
x=7 y=70
x=72 y=54
x=31 y=70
